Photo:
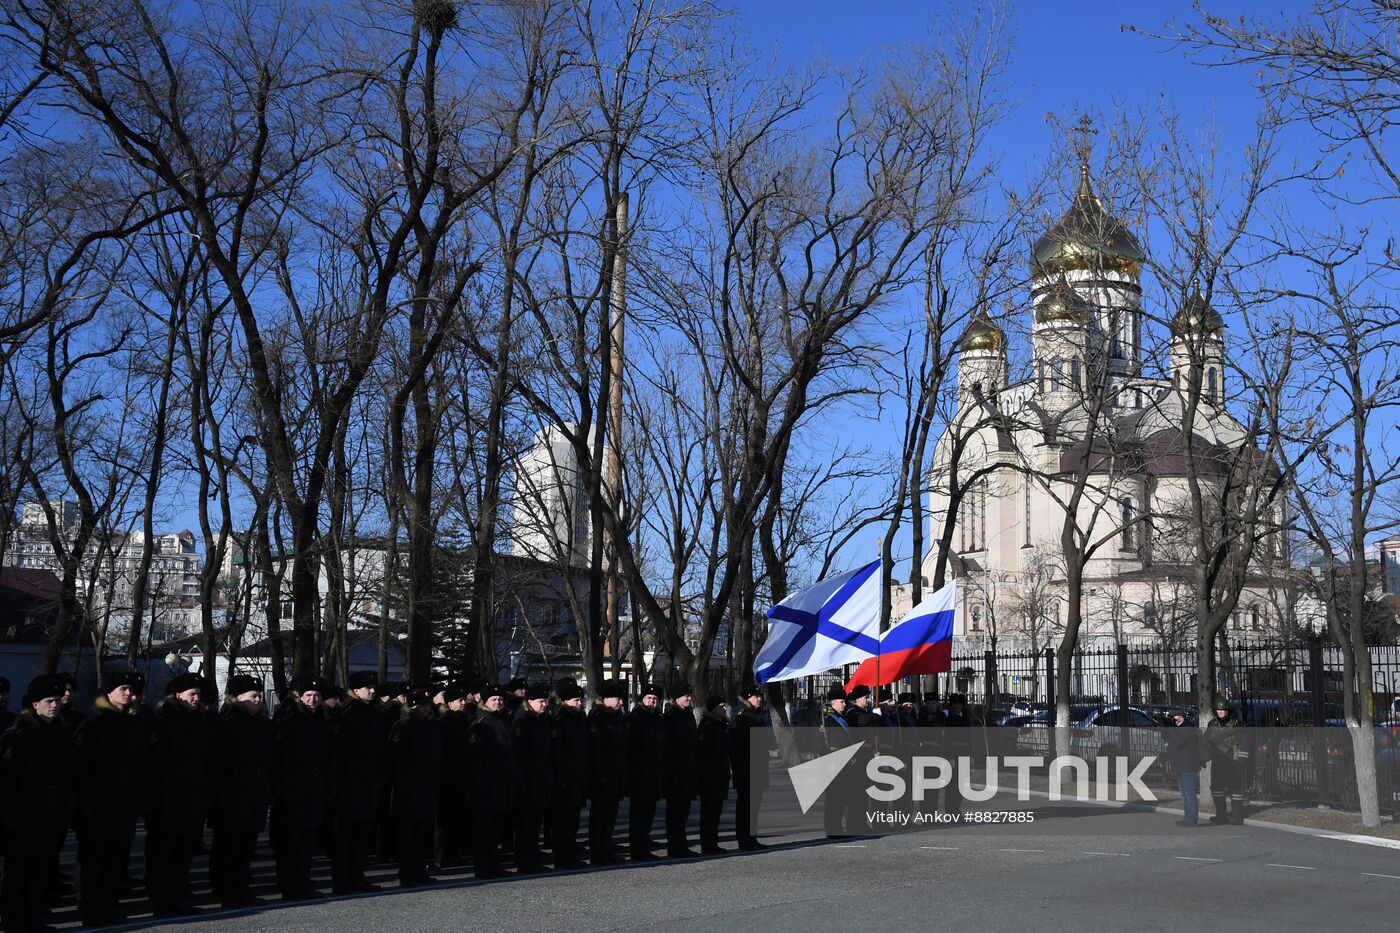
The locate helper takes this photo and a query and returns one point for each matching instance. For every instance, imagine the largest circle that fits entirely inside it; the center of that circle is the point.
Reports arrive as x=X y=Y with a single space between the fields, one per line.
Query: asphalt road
x=1078 y=866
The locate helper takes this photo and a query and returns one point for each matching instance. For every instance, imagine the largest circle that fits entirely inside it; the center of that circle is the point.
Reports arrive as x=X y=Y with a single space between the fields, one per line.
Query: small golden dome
x=1087 y=238
x=1063 y=303
x=1197 y=317
x=982 y=335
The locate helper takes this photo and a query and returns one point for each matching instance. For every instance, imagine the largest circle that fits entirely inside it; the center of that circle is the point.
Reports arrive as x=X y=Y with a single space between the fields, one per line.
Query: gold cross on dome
x=1084 y=129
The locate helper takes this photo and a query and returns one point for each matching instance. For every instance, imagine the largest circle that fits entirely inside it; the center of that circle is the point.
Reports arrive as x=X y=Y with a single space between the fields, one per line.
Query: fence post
x=1319 y=705
x=1050 y=700
x=1124 y=745
x=989 y=670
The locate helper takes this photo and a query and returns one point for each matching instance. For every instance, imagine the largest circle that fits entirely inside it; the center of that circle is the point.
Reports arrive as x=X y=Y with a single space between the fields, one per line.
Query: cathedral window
x=1074 y=374
x=1211 y=386
x=1125 y=506
x=1026 y=519
x=1057 y=374
x=1040 y=375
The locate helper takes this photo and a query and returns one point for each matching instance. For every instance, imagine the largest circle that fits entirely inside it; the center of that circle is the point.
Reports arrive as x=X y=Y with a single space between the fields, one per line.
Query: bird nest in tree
x=436 y=16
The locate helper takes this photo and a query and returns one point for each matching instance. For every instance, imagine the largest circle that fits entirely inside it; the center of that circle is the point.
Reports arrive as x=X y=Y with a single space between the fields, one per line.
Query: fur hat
x=516 y=683
x=539 y=691
x=568 y=690
x=184 y=682
x=361 y=679
x=120 y=679
x=905 y=698
x=858 y=692
x=304 y=684
x=420 y=696
x=454 y=693
x=885 y=694
x=752 y=690
x=494 y=690
x=649 y=690
x=713 y=702
x=42 y=688
x=240 y=684
x=958 y=698
x=835 y=692
x=614 y=689
x=682 y=689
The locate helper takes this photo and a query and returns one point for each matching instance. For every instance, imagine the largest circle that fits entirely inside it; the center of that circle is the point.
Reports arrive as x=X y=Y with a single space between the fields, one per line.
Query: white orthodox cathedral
x=1009 y=457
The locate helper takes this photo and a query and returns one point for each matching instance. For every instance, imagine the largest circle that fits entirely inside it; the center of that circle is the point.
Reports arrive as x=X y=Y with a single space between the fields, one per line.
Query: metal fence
x=1275 y=687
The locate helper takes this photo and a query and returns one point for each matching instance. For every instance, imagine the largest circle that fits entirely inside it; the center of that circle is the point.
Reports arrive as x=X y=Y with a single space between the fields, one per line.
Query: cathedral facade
x=1094 y=431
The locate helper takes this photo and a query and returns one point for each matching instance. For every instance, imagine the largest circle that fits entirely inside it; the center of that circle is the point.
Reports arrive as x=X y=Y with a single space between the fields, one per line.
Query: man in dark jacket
x=111 y=747
x=182 y=768
x=243 y=781
x=1227 y=755
x=571 y=773
x=453 y=822
x=37 y=777
x=712 y=771
x=608 y=766
x=415 y=757
x=957 y=747
x=1184 y=754
x=838 y=815
x=750 y=741
x=534 y=742
x=515 y=695
x=360 y=734
x=392 y=698
x=679 y=754
x=303 y=782
x=492 y=776
x=646 y=747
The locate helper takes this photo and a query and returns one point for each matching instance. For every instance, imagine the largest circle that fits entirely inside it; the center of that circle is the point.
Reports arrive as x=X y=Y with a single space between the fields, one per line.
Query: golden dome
x=1197 y=317
x=1087 y=238
x=982 y=335
x=1063 y=303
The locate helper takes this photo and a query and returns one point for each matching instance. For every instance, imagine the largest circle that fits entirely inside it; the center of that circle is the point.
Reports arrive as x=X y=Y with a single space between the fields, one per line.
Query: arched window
x=1074 y=374
x=1255 y=619
x=1040 y=374
x=1211 y=385
x=1125 y=508
x=1057 y=374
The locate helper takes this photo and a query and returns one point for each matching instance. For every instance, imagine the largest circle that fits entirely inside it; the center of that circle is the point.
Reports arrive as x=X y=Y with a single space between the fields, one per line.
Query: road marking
x=1299 y=867
x=1124 y=854
x=1195 y=858
x=1373 y=874
x=941 y=848
x=1041 y=851
x=849 y=846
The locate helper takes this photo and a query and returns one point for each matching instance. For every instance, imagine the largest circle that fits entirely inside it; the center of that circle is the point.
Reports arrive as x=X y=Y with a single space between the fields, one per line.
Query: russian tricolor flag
x=921 y=643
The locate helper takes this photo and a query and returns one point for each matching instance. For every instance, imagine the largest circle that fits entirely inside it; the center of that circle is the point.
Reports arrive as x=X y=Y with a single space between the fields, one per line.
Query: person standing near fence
x=182 y=769
x=750 y=741
x=1227 y=753
x=1184 y=753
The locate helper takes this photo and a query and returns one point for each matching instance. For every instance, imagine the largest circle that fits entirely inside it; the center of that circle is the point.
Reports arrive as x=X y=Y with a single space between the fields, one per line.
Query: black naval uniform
x=534 y=737
x=360 y=733
x=36 y=806
x=182 y=767
x=303 y=779
x=712 y=777
x=111 y=748
x=244 y=791
x=571 y=775
x=491 y=788
x=453 y=819
x=608 y=765
x=415 y=748
x=680 y=753
x=646 y=744
x=750 y=740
